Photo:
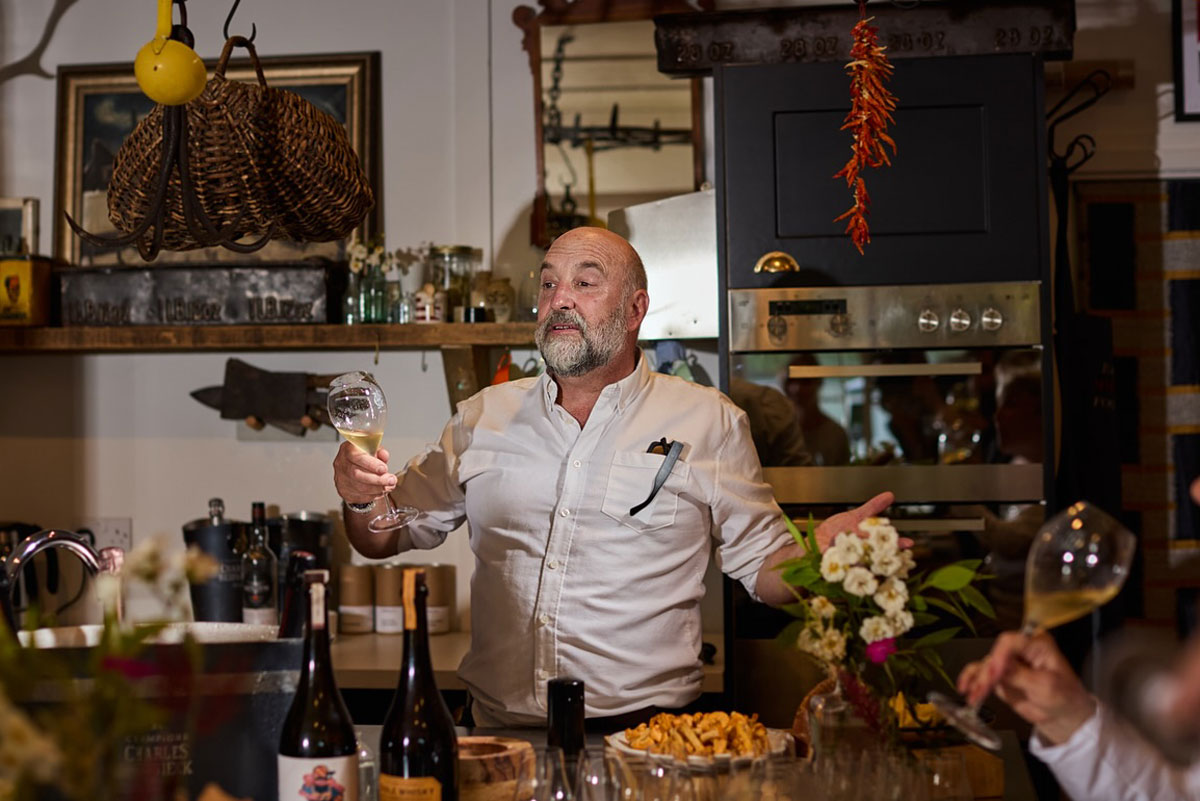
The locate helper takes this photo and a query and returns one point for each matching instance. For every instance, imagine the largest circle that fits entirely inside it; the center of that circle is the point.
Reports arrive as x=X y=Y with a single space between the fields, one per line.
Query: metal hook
x=229 y=19
x=1085 y=146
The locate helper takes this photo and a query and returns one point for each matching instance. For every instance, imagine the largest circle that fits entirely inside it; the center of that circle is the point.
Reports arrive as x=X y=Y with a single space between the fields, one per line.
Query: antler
x=32 y=63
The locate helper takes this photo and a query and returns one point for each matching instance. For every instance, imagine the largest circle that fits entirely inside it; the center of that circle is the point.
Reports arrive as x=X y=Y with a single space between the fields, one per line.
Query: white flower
x=833 y=643
x=876 y=628
x=871 y=524
x=901 y=621
x=883 y=540
x=145 y=560
x=822 y=608
x=809 y=641
x=833 y=565
x=907 y=563
x=23 y=748
x=886 y=565
x=891 y=596
x=197 y=566
x=108 y=592
x=851 y=546
x=859 y=581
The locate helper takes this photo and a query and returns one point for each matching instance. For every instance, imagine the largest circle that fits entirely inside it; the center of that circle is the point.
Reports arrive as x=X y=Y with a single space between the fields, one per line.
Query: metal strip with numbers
x=692 y=44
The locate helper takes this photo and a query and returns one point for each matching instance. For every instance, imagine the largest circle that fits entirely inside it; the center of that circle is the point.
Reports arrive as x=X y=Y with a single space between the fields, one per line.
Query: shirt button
x=564 y=511
x=577 y=463
x=552 y=565
x=543 y=619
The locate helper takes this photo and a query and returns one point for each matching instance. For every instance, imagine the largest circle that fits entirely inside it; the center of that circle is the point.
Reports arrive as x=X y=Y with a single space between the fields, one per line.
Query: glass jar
x=501 y=300
x=351 y=313
x=373 y=291
x=452 y=268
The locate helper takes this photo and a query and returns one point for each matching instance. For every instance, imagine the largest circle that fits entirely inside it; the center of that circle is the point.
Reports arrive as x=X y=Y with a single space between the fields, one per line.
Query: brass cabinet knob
x=776 y=262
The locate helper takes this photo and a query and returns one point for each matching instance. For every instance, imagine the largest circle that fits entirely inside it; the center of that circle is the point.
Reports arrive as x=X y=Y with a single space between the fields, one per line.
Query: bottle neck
x=416 y=661
x=318 y=663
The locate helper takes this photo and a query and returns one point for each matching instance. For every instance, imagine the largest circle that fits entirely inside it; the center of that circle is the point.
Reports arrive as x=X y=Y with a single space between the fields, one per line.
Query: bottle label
x=318 y=778
x=389 y=619
x=261 y=617
x=357 y=619
x=438 y=618
x=414 y=788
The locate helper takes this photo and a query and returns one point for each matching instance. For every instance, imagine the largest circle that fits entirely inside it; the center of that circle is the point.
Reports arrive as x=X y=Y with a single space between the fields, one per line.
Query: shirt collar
x=626 y=390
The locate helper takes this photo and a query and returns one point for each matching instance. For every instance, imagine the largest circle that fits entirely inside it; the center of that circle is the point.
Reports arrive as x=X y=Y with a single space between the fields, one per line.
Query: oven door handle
x=883 y=370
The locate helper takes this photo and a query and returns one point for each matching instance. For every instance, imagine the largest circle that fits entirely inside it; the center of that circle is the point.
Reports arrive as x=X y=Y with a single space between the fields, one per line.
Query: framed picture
x=1185 y=26
x=99 y=105
x=18 y=226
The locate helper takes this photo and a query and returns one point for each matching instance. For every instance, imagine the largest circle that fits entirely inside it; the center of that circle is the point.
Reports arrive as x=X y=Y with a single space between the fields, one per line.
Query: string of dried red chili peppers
x=871 y=105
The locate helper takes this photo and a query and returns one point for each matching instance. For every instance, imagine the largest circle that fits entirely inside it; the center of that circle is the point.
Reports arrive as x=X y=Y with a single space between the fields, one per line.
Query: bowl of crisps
x=703 y=739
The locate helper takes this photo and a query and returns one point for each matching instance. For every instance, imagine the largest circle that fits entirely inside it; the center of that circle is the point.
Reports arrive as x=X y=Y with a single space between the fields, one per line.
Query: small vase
x=351 y=310
x=833 y=723
x=373 y=294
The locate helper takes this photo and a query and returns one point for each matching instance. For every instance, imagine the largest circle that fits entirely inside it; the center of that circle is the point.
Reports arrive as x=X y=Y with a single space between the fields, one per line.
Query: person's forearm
x=373 y=545
x=770 y=586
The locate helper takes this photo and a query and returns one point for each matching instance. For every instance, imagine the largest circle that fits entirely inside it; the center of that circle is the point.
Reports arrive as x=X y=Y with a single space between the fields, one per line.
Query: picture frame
x=99 y=105
x=1185 y=31
x=18 y=226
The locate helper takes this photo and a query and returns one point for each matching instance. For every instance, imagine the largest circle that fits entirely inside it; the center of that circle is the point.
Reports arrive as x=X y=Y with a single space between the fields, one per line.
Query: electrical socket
x=110 y=531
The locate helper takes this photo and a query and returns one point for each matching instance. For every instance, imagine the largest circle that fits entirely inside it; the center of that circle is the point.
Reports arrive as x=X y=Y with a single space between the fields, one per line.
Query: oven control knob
x=960 y=320
x=777 y=327
x=991 y=319
x=928 y=321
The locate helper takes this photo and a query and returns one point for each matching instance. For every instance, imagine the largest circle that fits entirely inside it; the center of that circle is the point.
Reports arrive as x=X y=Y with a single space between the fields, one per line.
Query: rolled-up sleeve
x=747 y=522
x=1105 y=760
x=429 y=482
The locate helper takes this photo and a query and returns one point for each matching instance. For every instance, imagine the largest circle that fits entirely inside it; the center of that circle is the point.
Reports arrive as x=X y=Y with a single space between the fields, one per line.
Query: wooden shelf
x=150 y=339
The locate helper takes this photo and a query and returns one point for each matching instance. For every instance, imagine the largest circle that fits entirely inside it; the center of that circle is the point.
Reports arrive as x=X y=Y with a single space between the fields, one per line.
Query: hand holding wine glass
x=1077 y=562
x=358 y=410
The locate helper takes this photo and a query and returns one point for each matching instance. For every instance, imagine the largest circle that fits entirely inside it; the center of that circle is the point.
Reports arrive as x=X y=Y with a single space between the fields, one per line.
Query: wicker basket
x=257 y=157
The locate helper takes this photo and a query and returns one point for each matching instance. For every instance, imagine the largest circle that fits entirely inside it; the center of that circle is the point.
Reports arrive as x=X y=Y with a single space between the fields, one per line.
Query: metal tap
x=107 y=560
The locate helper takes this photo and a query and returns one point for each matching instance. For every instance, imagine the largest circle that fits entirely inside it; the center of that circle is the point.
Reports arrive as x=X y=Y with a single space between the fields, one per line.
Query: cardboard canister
x=440 y=605
x=356 y=599
x=389 y=603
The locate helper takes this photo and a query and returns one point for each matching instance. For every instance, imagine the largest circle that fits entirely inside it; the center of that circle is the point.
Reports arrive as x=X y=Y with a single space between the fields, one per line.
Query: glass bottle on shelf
x=259 y=573
x=351 y=311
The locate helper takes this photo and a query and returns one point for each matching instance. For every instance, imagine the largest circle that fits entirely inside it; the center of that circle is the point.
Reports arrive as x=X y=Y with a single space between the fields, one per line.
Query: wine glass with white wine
x=358 y=410
x=1077 y=563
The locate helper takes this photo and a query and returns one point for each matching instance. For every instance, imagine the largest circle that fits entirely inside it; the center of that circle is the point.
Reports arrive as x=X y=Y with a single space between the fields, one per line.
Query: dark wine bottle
x=318 y=750
x=259 y=567
x=291 y=614
x=418 y=750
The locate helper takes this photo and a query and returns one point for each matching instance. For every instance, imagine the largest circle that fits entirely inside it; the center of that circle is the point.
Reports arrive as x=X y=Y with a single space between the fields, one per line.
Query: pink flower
x=880 y=650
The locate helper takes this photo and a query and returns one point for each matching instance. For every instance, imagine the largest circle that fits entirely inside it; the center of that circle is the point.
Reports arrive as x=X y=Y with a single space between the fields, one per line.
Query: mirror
x=610 y=130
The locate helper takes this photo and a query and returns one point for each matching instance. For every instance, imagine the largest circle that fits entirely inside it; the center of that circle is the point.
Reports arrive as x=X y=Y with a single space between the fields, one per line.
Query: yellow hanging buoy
x=168 y=71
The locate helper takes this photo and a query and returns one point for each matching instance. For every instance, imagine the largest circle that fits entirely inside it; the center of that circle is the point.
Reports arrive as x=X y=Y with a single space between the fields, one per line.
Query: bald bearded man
x=594 y=495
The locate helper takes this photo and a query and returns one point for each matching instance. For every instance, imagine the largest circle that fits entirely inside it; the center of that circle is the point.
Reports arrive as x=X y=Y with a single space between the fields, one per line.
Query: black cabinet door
x=964 y=200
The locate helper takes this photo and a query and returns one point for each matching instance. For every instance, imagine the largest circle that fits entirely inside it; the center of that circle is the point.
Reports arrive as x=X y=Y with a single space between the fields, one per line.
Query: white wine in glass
x=1077 y=563
x=358 y=410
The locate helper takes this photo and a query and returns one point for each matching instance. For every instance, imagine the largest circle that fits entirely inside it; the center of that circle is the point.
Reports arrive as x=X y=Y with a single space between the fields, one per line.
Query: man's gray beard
x=572 y=357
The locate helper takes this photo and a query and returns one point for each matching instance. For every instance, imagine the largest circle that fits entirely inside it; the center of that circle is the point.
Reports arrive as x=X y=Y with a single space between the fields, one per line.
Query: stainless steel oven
x=937 y=392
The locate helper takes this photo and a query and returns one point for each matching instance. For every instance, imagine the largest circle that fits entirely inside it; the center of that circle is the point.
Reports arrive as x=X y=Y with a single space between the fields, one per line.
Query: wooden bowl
x=489 y=767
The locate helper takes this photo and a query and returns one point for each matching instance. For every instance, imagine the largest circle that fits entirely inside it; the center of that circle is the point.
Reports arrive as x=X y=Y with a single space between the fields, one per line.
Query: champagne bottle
x=318 y=750
x=418 y=750
x=259 y=568
x=291 y=614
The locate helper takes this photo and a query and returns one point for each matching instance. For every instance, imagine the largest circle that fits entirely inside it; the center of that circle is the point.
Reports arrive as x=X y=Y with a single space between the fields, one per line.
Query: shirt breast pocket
x=630 y=481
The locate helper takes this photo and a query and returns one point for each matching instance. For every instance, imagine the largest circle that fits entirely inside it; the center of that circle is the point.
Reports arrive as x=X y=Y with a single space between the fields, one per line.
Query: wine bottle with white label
x=318 y=750
x=259 y=567
x=418 y=750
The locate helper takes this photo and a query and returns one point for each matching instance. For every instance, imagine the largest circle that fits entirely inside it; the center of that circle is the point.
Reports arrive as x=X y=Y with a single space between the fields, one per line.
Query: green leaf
x=811 y=538
x=937 y=638
x=975 y=598
x=791 y=632
x=969 y=564
x=797 y=609
x=924 y=618
x=949 y=578
x=795 y=532
x=918 y=602
x=946 y=606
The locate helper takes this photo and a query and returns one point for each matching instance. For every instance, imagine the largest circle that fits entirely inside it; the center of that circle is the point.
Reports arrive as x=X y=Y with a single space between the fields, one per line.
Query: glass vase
x=373 y=296
x=835 y=726
x=351 y=309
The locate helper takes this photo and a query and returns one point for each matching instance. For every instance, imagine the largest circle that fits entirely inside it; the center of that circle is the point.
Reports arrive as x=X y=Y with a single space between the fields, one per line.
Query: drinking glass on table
x=1077 y=562
x=358 y=410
